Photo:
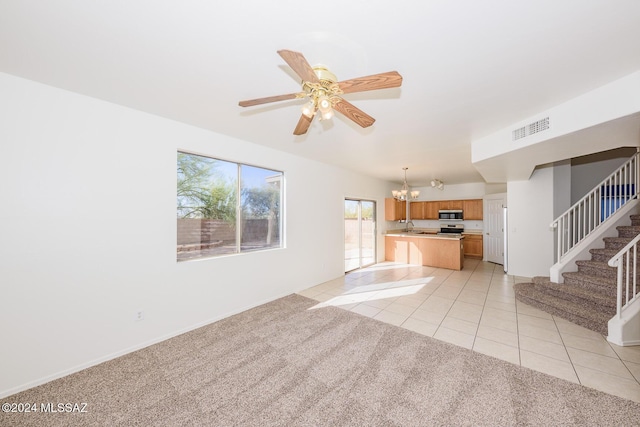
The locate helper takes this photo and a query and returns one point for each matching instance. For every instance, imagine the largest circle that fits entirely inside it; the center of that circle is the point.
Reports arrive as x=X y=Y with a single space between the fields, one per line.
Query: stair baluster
x=588 y=213
x=626 y=261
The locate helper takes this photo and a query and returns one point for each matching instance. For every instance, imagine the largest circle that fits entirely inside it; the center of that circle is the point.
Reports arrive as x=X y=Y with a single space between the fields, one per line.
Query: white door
x=494 y=232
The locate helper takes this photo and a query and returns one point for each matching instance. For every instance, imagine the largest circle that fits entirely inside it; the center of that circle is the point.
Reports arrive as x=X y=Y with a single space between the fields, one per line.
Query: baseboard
x=83 y=366
x=624 y=343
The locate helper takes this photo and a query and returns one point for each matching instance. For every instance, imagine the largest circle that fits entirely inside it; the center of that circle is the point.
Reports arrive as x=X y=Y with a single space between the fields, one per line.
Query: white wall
x=609 y=102
x=89 y=232
x=475 y=190
x=530 y=212
x=602 y=119
x=562 y=185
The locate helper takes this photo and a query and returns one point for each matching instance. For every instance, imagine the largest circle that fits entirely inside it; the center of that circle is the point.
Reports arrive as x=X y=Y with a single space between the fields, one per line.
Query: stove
x=451 y=229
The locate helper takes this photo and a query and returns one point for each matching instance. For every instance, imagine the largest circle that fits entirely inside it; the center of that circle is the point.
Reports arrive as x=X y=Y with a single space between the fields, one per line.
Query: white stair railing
x=597 y=206
x=626 y=261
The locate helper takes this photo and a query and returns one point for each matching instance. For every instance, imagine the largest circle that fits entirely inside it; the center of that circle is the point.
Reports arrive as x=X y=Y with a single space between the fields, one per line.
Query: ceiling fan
x=323 y=91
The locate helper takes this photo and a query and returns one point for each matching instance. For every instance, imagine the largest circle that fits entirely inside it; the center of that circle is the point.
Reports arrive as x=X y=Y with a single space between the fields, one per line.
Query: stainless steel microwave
x=450 y=214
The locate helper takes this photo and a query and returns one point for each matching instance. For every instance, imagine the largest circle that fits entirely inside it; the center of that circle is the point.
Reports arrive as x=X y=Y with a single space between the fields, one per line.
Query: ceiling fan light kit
x=323 y=91
x=322 y=95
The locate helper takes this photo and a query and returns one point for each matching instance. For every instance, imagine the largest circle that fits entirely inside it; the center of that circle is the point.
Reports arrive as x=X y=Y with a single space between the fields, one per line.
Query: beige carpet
x=282 y=364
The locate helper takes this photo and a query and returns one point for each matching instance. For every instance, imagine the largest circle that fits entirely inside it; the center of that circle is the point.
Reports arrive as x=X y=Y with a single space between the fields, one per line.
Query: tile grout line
x=573 y=366
x=483 y=309
x=475 y=336
x=593 y=352
x=515 y=303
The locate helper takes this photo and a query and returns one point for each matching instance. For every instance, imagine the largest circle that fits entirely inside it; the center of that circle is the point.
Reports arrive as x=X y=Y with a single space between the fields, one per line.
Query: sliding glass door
x=359 y=233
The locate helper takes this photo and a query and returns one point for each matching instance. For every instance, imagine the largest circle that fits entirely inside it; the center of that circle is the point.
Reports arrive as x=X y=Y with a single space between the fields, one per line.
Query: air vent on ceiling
x=519 y=133
x=531 y=128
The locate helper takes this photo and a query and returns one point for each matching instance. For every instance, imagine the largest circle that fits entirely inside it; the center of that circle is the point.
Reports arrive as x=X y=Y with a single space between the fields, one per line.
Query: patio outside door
x=359 y=234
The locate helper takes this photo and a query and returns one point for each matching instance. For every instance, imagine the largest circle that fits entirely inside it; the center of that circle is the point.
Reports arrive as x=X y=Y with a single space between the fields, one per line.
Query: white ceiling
x=470 y=67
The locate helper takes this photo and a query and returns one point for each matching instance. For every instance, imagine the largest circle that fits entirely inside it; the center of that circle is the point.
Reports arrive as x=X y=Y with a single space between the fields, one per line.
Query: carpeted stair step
x=604 y=254
x=635 y=220
x=628 y=230
x=606 y=286
x=537 y=296
x=596 y=300
x=616 y=243
x=538 y=280
x=596 y=268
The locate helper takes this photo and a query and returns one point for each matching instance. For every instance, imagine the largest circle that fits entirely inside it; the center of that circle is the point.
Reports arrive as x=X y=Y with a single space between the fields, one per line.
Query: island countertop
x=472 y=231
x=423 y=234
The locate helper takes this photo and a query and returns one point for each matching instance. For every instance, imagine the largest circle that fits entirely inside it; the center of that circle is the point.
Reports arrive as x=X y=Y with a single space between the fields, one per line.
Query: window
x=226 y=208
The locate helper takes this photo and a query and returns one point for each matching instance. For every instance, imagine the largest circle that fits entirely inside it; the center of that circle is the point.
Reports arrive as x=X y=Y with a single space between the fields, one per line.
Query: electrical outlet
x=139 y=315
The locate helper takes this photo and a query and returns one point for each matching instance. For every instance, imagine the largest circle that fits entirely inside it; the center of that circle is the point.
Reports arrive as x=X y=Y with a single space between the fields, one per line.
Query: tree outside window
x=225 y=208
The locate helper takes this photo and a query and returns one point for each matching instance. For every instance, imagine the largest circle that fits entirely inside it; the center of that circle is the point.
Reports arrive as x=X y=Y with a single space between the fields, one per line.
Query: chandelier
x=404 y=192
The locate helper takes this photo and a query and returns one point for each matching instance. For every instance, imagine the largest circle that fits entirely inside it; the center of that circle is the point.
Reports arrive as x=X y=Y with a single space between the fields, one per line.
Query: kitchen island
x=425 y=248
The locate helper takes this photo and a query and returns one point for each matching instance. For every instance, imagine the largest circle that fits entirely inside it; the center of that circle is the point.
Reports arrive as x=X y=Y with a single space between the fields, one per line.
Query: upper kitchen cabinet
x=450 y=204
x=395 y=210
x=417 y=210
x=472 y=209
x=431 y=210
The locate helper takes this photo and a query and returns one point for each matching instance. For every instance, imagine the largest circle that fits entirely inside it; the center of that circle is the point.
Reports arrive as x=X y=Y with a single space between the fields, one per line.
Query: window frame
x=239 y=213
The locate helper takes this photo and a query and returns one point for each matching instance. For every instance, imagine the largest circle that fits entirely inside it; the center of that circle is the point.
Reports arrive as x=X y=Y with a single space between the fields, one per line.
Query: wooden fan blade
x=303 y=125
x=266 y=100
x=376 y=81
x=299 y=64
x=354 y=113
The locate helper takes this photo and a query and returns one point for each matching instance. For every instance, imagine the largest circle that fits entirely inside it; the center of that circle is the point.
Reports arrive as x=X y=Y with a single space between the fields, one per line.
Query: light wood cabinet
x=472 y=209
x=433 y=252
x=431 y=210
x=455 y=204
x=395 y=210
x=416 y=210
x=473 y=245
x=396 y=249
x=450 y=204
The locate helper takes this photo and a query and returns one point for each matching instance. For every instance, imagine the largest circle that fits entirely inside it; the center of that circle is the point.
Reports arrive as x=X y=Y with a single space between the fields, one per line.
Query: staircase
x=588 y=296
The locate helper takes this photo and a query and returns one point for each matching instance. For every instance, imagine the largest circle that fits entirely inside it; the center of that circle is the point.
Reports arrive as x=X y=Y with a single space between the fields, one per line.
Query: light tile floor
x=476 y=309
